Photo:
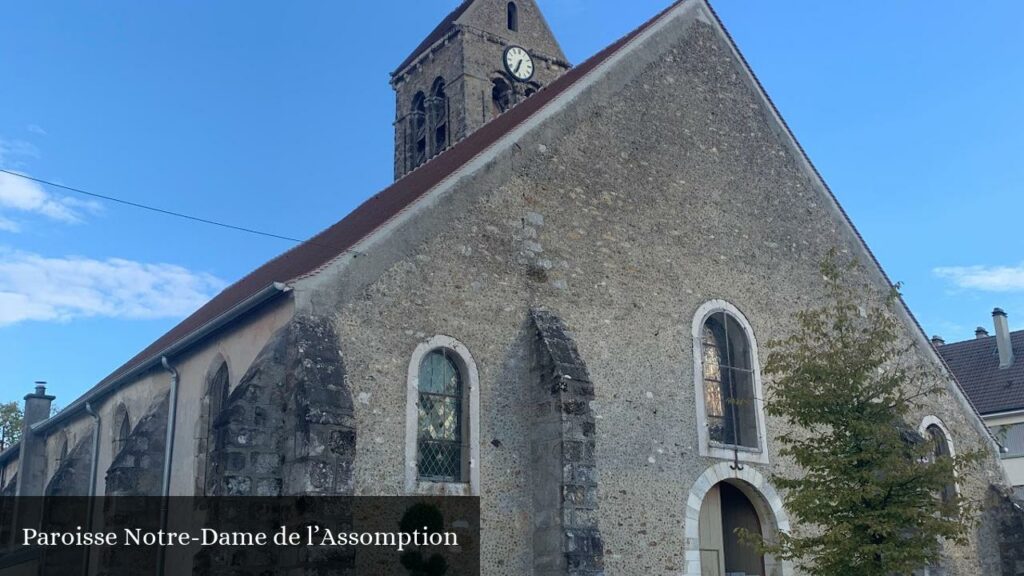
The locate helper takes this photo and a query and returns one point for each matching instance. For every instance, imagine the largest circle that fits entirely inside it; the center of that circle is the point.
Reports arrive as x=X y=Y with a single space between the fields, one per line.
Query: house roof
x=339 y=238
x=435 y=35
x=975 y=363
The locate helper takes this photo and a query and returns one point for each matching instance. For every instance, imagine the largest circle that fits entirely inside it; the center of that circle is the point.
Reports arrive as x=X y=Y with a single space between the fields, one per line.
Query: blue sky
x=277 y=116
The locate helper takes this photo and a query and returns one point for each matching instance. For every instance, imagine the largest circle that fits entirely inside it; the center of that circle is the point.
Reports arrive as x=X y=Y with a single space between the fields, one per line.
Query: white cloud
x=36 y=129
x=18 y=194
x=985 y=278
x=12 y=149
x=34 y=287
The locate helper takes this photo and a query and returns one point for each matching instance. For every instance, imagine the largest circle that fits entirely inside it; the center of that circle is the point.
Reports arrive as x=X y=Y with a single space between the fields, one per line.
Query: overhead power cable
x=160 y=210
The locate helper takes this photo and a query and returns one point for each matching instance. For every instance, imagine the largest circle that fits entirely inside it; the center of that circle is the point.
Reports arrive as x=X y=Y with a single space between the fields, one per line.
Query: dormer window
x=513 y=17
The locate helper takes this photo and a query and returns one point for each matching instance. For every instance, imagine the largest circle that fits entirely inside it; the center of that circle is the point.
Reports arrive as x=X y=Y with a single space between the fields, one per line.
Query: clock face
x=518 y=63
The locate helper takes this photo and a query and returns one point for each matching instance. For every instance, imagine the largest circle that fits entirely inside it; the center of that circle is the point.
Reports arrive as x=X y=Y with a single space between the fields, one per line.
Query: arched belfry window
x=418 y=129
x=513 y=17
x=727 y=384
x=501 y=96
x=442 y=432
x=439 y=116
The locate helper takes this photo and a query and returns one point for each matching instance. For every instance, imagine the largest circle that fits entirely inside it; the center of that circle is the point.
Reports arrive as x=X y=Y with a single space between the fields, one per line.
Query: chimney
x=1003 y=343
x=937 y=341
x=32 y=458
x=980 y=333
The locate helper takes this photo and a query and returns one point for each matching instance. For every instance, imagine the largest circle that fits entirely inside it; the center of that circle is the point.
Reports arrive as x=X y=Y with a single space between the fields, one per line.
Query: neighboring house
x=559 y=306
x=991 y=371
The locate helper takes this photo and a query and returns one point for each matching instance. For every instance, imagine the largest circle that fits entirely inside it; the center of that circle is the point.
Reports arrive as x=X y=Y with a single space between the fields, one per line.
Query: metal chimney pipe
x=1003 y=343
x=980 y=333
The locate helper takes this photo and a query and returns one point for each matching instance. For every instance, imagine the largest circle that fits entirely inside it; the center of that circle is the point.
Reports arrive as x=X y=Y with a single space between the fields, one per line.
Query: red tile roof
x=342 y=236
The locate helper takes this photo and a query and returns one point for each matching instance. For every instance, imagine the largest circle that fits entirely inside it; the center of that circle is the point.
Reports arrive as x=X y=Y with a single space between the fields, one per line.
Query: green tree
x=10 y=424
x=870 y=489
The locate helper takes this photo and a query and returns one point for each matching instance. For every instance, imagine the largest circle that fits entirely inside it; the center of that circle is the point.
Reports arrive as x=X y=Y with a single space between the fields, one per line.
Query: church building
x=561 y=305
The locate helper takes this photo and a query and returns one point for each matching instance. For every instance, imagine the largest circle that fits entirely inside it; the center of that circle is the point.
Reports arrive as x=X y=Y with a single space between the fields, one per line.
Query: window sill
x=741 y=453
x=731 y=447
x=426 y=488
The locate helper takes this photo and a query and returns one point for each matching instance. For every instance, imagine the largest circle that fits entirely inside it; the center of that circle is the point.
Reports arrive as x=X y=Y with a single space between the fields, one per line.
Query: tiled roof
x=975 y=363
x=342 y=236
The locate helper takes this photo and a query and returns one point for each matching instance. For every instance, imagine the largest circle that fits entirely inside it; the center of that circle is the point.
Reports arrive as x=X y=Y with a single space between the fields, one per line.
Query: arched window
x=728 y=384
x=935 y=432
x=208 y=440
x=442 y=446
x=513 y=17
x=439 y=442
x=122 y=430
x=501 y=96
x=418 y=129
x=439 y=115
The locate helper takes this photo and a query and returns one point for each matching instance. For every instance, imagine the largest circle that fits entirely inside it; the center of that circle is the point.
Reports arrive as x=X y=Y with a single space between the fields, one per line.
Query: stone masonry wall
x=136 y=471
x=567 y=540
x=72 y=476
x=287 y=429
x=662 y=182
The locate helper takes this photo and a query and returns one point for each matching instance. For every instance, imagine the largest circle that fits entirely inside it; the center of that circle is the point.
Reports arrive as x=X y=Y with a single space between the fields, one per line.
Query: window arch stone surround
x=932 y=421
x=459 y=353
x=705 y=446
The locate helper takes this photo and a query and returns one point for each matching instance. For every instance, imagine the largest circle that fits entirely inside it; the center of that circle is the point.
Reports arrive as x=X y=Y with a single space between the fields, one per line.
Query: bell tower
x=482 y=59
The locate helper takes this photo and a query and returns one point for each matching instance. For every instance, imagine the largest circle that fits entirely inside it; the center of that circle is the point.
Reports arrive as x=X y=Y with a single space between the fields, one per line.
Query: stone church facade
x=550 y=309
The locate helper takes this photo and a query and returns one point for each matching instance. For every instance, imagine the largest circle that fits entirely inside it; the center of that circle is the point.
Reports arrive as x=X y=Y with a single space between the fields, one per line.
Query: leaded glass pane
x=728 y=382
x=440 y=419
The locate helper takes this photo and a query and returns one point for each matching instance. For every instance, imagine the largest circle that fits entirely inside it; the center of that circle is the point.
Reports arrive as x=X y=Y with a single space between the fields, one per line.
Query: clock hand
x=518 y=66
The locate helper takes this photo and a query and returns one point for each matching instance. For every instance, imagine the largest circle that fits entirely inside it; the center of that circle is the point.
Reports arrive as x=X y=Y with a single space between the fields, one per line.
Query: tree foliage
x=10 y=424
x=870 y=487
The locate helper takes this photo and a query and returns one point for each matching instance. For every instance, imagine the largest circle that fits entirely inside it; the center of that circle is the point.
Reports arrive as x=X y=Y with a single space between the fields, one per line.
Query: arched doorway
x=725 y=511
x=723 y=499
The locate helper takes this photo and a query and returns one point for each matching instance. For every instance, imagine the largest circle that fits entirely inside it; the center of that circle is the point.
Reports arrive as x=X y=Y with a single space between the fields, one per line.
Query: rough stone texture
x=287 y=429
x=468 y=60
x=72 y=476
x=657 y=183
x=664 y=184
x=1003 y=527
x=567 y=539
x=137 y=470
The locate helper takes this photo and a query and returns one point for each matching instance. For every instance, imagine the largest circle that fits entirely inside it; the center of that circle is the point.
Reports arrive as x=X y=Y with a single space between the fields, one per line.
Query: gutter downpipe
x=92 y=478
x=172 y=412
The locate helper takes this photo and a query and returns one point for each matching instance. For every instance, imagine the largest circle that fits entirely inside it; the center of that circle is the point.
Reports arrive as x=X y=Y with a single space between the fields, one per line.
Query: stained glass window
x=440 y=419
x=728 y=383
